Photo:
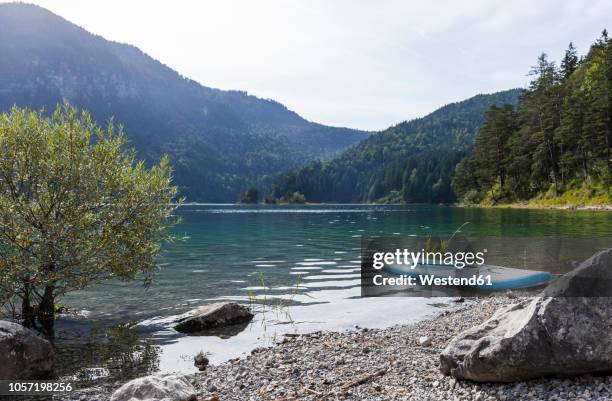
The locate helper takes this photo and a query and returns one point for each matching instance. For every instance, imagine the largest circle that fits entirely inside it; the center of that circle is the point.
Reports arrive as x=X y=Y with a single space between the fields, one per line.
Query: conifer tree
x=560 y=138
x=569 y=62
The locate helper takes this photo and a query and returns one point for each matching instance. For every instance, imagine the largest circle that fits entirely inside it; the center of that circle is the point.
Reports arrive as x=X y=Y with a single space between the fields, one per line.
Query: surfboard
x=501 y=277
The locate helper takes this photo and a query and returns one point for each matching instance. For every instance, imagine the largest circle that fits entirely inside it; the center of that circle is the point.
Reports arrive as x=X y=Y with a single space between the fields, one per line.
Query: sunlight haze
x=364 y=65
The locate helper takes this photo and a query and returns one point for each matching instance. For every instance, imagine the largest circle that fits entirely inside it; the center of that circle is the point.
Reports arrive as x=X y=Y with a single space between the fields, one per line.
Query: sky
x=360 y=64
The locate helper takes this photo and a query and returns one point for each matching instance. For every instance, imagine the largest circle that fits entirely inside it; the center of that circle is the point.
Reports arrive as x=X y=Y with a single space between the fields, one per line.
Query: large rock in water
x=565 y=331
x=156 y=388
x=213 y=316
x=23 y=353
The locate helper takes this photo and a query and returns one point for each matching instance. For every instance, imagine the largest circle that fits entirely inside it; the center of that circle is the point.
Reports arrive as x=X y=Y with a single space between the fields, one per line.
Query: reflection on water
x=222 y=332
x=104 y=354
x=302 y=262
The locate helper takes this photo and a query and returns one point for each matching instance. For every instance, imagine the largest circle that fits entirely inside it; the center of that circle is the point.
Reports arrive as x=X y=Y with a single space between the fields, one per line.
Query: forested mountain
x=556 y=144
x=411 y=162
x=219 y=142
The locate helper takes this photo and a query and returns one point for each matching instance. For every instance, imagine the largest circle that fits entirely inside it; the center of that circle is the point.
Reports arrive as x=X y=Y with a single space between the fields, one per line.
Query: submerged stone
x=213 y=316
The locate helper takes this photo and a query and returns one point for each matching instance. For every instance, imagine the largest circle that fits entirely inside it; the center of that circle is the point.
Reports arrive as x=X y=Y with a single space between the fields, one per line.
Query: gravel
x=396 y=363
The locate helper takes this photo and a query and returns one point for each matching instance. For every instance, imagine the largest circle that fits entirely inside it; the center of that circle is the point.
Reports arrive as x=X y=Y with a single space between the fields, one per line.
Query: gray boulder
x=23 y=353
x=565 y=331
x=156 y=388
x=213 y=316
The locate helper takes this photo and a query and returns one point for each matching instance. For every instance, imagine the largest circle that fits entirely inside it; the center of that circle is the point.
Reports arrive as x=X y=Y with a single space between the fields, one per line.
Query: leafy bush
x=76 y=208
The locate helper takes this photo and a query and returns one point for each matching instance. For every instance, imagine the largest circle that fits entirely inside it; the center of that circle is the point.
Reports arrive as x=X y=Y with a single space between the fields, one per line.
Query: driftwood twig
x=357 y=382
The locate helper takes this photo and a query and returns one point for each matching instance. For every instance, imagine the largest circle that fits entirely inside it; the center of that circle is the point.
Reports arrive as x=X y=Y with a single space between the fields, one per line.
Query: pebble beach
x=396 y=363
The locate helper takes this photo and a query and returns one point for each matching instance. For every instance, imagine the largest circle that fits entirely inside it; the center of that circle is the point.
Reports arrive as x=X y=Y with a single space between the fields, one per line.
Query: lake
x=298 y=264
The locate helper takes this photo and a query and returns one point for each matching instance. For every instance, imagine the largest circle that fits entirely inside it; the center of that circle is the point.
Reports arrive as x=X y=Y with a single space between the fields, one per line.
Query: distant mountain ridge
x=413 y=161
x=219 y=142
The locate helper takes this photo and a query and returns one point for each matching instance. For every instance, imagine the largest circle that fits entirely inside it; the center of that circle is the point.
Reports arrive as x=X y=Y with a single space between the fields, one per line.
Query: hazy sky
x=362 y=64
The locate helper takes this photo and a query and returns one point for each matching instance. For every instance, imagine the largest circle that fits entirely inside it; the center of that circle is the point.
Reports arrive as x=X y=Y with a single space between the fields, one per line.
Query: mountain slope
x=219 y=141
x=413 y=161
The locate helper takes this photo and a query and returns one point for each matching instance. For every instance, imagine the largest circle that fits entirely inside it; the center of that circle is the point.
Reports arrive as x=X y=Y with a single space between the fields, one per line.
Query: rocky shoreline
x=544 y=206
x=396 y=363
x=502 y=344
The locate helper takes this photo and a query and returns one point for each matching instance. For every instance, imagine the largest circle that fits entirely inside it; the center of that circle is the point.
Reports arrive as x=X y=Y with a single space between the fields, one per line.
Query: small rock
x=167 y=388
x=200 y=361
x=424 y=341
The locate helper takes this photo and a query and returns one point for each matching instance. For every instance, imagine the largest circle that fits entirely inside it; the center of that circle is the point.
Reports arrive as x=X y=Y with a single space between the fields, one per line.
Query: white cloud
x=364 y=64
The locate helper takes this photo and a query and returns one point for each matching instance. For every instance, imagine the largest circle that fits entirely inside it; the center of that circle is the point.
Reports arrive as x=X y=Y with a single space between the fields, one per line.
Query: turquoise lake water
x=297 y=264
